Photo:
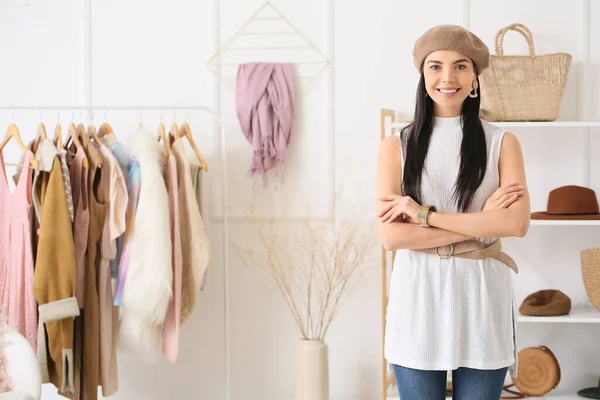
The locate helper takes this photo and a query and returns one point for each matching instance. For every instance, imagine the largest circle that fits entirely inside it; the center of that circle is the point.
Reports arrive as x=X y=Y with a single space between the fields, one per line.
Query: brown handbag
x=538 y=374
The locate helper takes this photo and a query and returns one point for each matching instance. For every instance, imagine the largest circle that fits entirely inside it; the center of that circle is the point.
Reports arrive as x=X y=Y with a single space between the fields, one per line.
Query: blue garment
x=131 y=172
x=467 y=383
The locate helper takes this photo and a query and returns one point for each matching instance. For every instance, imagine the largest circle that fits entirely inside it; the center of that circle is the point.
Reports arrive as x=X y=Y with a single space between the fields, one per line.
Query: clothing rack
x=139 y=108
x=225 y=233
x=92 y=108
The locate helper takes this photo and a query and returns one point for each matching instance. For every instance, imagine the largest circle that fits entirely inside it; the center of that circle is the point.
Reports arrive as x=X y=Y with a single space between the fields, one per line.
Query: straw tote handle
x=520 y=28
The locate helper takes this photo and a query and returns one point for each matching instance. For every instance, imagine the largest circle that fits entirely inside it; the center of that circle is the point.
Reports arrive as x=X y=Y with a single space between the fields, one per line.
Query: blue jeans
x=467 y=383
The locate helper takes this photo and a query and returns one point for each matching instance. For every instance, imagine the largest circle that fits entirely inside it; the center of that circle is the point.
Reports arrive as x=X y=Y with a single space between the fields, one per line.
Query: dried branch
x=315 y=267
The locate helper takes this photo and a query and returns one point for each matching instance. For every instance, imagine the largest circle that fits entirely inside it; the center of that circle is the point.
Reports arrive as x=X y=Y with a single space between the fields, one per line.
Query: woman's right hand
x=503 y=197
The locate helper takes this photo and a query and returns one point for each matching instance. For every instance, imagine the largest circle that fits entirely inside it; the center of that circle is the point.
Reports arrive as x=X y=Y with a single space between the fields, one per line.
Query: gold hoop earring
x=473 y=92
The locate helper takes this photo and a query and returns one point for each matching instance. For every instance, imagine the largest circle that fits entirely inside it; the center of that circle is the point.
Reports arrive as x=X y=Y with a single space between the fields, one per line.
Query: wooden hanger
x=93 y=134
x=81 y=132
x=162 y=134
x=41 y=131
x=58 y=140
x=174 y=132
x=41 y=135
x=73 y=136
x=186 y=132
x=105 y=129
x=13 y=132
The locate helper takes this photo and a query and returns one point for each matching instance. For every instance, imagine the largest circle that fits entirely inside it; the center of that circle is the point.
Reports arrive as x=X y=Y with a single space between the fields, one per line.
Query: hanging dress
x=16 y=257
x=78 y=175
x=91 y=313
x=87 y=344
x=173 y=317
x=115 y=194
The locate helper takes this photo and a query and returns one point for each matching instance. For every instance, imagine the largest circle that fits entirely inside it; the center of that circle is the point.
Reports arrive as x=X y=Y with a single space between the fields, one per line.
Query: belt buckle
x=443 y=256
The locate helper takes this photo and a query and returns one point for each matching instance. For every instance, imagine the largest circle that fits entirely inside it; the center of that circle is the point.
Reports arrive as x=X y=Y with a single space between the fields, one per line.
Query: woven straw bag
x=590 y=271
x=523 y=88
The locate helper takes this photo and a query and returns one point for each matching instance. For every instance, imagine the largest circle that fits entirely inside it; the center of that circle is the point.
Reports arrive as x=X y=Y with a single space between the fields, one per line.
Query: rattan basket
x=539 y=371
x=523 y=88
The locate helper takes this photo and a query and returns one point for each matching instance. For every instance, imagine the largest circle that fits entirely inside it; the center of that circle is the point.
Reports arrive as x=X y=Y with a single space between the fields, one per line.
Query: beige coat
x=195 y=246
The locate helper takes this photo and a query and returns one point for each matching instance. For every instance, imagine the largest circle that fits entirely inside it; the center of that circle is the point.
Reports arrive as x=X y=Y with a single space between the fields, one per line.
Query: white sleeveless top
x=448 y=313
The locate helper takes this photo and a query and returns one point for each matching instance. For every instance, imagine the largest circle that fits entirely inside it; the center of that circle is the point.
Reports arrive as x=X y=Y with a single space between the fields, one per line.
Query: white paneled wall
x=155 y=53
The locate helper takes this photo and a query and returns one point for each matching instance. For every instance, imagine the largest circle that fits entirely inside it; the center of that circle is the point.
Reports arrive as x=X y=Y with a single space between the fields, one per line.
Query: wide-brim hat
x=590 y=272
x=570 y=202
x=549 y=302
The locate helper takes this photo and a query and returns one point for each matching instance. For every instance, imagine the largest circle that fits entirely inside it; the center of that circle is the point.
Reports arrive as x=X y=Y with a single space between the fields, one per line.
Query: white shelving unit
x=576 y=316
x=549 y=222
x=550 y=396
x=532 y=124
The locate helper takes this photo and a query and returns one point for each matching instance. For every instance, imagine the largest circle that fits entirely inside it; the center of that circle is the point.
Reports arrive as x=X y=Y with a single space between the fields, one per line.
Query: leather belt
x=474 y=250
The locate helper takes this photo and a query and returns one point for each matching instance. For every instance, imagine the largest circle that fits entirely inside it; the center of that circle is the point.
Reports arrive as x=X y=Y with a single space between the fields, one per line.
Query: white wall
x=154 y=53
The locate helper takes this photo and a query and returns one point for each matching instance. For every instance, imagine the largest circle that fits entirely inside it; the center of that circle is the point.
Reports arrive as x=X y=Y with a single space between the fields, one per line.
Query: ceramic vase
x=312 y=370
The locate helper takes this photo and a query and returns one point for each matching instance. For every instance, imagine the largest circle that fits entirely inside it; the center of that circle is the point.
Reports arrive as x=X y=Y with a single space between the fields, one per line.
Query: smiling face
x=449 y=78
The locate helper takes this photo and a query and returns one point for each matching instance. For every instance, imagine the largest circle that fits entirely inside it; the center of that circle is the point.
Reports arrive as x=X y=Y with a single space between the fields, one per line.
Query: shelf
x=549 y=396
x=550 y=124
x=532 y=124
x=586 y=316
x=558 y=222
x=553 y=395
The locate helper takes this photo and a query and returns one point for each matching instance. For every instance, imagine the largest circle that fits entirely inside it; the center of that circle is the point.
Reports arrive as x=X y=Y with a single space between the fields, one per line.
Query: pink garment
x=172 y=319
x=265 y=104
x=16 y=256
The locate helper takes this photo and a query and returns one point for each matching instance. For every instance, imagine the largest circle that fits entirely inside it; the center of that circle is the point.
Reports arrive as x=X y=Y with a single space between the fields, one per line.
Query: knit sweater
x=195 y=247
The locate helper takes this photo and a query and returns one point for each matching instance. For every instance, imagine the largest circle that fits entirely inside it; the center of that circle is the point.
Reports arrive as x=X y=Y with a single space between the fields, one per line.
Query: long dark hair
x=473 y=150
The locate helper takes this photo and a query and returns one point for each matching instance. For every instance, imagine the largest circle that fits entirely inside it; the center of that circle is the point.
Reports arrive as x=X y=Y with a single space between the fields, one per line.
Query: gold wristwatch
x=422 y=214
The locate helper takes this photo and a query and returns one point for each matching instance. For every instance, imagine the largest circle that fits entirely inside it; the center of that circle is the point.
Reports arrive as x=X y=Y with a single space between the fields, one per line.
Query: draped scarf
x=265 y=105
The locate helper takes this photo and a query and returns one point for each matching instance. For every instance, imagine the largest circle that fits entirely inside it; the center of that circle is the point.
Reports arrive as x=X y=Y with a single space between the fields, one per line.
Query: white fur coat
x=21 y=372
x=147 y=290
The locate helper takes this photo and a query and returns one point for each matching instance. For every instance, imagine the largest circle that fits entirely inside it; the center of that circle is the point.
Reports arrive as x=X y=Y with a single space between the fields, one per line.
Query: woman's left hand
x=396 y=206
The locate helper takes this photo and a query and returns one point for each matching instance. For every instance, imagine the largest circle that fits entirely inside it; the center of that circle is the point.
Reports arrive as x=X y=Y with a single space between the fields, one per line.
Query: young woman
x=451 y=185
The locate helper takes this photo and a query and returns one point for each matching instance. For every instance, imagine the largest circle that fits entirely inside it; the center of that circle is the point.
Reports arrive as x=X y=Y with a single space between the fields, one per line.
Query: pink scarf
x=265 y=104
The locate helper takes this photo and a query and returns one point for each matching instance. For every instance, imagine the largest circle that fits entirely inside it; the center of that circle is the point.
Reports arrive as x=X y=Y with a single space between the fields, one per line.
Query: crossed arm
x=509 y=218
